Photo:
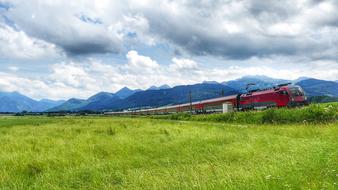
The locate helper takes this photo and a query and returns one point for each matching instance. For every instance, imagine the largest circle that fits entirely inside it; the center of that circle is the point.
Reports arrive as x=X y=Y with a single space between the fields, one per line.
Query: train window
x=284 y=92
x=296 y=91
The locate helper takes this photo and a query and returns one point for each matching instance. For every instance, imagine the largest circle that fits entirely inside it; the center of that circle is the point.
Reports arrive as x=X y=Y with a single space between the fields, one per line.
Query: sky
x=62 y=49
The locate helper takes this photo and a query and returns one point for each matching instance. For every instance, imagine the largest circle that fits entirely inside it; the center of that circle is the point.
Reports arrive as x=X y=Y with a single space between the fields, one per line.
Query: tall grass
x=314 y=113
x=141 y=153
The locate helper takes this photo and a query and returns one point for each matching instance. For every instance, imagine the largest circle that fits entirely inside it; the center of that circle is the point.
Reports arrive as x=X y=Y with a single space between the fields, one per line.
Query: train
x=283 y=95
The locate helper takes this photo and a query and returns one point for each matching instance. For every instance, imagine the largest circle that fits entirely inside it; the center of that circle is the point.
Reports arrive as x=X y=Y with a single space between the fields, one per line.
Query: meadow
x=145 y=153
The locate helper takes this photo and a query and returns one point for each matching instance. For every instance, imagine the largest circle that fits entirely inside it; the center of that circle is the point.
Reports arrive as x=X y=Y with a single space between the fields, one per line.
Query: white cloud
x=17 y=45
x=72 y=75
x=11 y=82
x=79 y=27
x=140 y=64
x=183 y=64
x=247 y=28
x=284 y=29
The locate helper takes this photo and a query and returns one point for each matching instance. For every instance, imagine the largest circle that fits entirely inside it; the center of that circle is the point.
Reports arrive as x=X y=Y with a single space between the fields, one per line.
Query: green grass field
x=143 y=153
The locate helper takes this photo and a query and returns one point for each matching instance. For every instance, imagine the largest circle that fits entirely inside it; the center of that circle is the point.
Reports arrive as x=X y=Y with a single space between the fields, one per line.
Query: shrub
x=180 y=116
x=316 y=113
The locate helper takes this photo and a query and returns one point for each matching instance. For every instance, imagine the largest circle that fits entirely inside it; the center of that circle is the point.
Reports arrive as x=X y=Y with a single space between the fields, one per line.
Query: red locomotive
x=284 y=95
x=280 y=96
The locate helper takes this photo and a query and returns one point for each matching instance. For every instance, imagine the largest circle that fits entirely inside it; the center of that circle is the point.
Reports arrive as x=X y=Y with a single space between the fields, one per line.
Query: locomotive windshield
x=296 y=91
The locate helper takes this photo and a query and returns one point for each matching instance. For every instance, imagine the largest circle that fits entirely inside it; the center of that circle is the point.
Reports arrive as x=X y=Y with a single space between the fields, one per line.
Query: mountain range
x=16 y=102
x=314 y=87
x=146 y=98
x=159 y=96
x=163 y=95
x=165 y=86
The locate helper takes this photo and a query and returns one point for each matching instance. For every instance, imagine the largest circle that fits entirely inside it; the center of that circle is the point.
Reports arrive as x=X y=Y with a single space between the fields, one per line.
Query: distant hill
x=126 y=92
x=100 y=101
x=16 y=102
x=175 y=95
x=165 y=86
x=46 y=104
x=52 y=102
x=300 y=79
x=70 y=105
x=210 y=82
x=316 y=87
x=96 y=102
x=322 y=99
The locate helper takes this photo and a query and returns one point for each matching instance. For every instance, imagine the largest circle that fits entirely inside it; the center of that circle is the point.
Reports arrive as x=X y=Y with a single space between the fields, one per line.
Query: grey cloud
x=272 y=8
x=86 y=48
x=236 y=46
x=228 y=28
x=66 y=26
x=81 y=46
x=199 y=30
x=75 y=43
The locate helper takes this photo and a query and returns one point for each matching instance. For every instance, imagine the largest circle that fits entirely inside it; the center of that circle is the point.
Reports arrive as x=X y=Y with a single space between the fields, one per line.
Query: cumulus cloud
x=231 y=29
x=76 y=27
x=16 y=44
x=247 y=28
x=71 y=75
x=183 y=64
x=138 y=63
x=32 y=87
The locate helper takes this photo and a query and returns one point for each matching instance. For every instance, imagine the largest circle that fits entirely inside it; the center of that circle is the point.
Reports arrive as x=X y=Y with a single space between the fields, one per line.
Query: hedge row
x=315 y=113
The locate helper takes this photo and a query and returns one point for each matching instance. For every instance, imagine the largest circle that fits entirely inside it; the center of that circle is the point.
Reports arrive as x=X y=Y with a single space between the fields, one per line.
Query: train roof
x=269 y=90
x=225 y=98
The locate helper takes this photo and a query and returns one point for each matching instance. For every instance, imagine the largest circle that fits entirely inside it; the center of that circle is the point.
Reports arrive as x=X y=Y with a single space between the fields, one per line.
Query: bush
x=316 y=113
x=180 y=116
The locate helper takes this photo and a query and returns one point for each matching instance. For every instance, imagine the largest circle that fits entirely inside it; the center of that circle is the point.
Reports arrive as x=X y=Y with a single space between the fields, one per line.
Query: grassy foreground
x=143 y=153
